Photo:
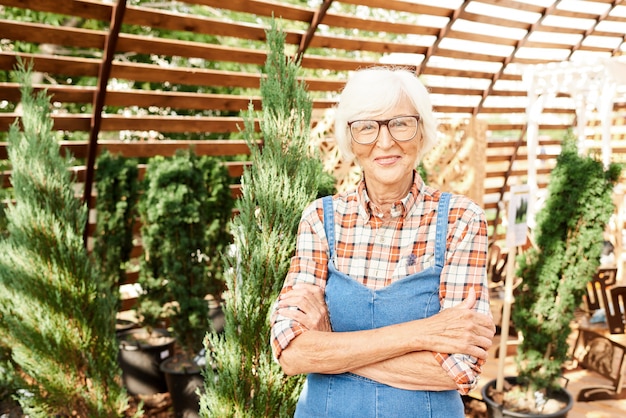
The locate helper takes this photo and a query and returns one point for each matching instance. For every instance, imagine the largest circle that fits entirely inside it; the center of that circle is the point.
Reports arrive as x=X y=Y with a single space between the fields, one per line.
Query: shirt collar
x=367 y=209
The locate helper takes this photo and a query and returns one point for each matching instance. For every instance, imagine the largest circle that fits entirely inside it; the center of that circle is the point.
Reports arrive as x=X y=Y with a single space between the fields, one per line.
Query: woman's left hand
x=311 y=311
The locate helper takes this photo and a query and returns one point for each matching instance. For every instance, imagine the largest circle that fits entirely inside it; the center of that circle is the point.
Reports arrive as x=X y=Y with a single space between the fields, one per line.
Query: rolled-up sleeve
x=308 y=265
x=465 y=268
x=464 y=370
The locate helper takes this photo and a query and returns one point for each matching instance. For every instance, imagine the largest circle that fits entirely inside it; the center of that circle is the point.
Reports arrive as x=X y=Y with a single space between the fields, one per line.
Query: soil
x=516 y=398
x=474 y=408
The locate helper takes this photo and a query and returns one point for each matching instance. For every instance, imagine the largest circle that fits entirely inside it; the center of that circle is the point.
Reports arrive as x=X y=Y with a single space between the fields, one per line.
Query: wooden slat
x=351 y=22
x=466 y=55
x=171 y=47
x=335 y=64
x=476 y=37
x=516 y=5
x=181 y=100
x=162 y=19
x=195 y=77
x=163 y=124
x=507 y=157
x=261 y=8
x=493 y=20
x=71 y=94
x=80 y=8
x=147 y=98
x=146 y=149
x=455 y=90
x=69 y=66
x=126 y=304
x=235 y=168
x=140 y=72
x=361 y=44
x=40 y=33
x=143 y=98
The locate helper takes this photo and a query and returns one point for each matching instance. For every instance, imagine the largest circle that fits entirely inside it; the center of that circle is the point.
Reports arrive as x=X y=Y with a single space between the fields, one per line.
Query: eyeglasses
x=401 y=128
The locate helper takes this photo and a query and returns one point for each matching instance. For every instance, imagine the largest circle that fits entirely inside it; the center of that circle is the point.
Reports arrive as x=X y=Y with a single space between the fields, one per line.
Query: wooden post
x=506 y=315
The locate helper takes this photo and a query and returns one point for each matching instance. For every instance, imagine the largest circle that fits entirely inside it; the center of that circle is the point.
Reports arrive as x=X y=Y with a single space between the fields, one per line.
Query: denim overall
x=352 y=307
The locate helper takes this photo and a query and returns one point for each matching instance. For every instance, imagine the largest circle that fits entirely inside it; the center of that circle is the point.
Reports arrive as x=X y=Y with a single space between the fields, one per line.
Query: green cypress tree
x=185 y=209
x=555 y=273
x=117 y=184
x=58 y=314
x=242 y=379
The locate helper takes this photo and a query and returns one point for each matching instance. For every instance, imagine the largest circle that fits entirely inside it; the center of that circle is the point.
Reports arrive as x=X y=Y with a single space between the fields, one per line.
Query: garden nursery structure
x=510 y=80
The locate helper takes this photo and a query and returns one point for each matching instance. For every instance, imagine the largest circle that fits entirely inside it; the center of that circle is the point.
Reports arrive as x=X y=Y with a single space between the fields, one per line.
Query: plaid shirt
x=376 y=253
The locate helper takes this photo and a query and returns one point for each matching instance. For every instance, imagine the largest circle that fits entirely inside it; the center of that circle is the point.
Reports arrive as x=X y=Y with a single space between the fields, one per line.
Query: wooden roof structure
x=471 y=54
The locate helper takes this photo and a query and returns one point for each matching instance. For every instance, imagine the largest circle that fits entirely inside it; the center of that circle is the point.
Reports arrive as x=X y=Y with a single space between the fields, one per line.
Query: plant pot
x=140 y=354
x=495 y=410
x=123 y=325
x=183 y=377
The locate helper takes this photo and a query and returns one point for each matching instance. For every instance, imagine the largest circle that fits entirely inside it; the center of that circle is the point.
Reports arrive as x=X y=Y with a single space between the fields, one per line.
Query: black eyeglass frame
x=381 y=123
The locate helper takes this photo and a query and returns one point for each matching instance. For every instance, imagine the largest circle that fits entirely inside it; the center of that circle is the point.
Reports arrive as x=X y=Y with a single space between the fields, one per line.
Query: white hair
x=373 y=91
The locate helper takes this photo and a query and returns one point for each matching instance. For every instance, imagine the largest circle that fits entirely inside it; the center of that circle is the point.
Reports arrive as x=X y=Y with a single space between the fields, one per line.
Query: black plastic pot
x=140 y=355
x=123 y=325
x=495 y=410
x=183 y=377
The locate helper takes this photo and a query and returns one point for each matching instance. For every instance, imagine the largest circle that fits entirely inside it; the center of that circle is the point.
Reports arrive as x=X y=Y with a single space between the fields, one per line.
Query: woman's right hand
x=311 y=312
x=458 y=330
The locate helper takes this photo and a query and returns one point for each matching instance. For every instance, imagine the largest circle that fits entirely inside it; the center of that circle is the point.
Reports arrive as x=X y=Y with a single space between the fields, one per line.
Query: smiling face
x=387 y=164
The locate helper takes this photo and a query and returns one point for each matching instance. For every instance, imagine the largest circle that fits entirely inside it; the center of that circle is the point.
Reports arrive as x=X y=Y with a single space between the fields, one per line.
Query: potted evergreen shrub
x=57 y=313
x=569 y=241
x=184 y=210
x=285 y=175
x=117 y=186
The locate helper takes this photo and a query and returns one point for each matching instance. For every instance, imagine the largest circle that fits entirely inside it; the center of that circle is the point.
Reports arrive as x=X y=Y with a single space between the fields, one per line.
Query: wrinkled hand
x=460 y=330
x=312 y=312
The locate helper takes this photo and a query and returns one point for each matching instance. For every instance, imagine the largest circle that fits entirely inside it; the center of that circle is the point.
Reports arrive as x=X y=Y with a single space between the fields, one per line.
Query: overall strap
x=329 y=223
x=442 y=229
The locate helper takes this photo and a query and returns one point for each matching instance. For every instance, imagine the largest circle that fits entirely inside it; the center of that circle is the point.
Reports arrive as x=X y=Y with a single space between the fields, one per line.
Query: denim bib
x=352 y=306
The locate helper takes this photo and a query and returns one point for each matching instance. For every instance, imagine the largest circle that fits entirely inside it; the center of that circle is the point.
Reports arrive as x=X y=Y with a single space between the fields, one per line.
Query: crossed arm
x=398 y=355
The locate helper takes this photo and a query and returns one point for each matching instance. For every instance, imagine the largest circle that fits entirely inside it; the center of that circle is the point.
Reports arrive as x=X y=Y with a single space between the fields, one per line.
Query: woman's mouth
x=386 y=160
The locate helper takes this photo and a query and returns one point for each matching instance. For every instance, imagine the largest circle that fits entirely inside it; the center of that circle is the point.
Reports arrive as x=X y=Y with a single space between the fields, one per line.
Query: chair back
x=617 y=320
x=598 y=289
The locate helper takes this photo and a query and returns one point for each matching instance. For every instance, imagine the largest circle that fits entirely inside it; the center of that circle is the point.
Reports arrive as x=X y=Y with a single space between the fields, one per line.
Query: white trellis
x=593 y=87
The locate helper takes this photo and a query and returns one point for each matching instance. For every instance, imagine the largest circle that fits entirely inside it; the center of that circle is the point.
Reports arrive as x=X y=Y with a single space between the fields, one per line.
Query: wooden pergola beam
x=310 y=32
x=98 y=103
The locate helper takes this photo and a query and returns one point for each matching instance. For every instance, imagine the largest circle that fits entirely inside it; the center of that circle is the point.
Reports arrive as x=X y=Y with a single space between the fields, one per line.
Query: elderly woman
x=385 y=305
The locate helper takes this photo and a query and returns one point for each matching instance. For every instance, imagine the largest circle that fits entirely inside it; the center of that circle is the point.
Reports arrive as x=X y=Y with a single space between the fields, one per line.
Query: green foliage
x=184 y=211
x=283 y=179
x=569 y=238
x=117 y=187
x=58 y=314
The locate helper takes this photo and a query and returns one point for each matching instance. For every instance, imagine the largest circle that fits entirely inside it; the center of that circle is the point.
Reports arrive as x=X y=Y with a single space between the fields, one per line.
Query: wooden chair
x=606 y=356
x=599 y=297
x=602 y=347
x=617 y=318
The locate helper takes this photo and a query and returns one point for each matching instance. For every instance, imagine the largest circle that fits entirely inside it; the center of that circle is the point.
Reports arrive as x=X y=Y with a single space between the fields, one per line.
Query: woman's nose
x=384 y=137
